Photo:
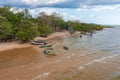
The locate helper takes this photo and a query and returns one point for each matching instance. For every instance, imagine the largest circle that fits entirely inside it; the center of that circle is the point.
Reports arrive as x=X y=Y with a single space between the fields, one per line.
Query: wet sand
x=17 y=56
x=12 y=45
x=16 y=44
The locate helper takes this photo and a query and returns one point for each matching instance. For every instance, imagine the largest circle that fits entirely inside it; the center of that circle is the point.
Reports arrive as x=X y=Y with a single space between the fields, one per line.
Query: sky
x=88 y=11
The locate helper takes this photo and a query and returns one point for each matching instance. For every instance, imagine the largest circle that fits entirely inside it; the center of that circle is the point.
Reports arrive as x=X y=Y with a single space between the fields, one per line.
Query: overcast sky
x=90 y=11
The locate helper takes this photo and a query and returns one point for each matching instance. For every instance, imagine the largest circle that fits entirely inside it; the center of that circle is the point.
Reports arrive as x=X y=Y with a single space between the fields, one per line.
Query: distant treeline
x=20 y=25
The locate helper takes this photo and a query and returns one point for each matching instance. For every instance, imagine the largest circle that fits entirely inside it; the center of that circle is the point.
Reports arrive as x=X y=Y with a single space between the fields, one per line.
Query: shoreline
x=15 y=44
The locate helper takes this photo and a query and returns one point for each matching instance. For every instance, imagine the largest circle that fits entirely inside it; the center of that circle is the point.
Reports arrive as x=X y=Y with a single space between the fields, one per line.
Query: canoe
x=38 y=42
x=43 y=46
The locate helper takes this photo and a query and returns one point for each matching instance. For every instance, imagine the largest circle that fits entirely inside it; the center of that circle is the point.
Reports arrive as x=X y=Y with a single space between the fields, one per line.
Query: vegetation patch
x=22 y=26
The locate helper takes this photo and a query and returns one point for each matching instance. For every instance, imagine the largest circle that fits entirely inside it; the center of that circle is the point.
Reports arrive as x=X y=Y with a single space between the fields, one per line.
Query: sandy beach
x=16 y=44
x=53 y=37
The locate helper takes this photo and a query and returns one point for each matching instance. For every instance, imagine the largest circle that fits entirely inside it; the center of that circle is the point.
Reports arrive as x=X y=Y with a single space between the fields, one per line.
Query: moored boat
x=39 y=42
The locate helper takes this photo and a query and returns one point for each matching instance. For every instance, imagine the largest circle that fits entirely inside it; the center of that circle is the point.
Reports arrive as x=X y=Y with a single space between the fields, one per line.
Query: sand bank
x=16 y=44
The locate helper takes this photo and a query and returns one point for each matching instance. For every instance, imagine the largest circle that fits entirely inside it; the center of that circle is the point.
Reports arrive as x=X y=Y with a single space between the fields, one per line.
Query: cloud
x=31 y=3
x=59 y=3
x=35 y=12
x=108 y=7
x=92 y=11
x=62 y=12
x=74 y=18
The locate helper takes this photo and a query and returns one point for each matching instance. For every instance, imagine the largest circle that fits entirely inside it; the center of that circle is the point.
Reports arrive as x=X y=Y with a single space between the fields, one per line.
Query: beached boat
x=39 y=42
x=44 y=46
x=49 y=51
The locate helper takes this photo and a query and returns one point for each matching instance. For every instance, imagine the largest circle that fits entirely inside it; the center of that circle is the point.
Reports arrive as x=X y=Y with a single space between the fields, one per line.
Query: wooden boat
x=48 y=45
x=49 y=51
x=44 y=46
x=39 y=42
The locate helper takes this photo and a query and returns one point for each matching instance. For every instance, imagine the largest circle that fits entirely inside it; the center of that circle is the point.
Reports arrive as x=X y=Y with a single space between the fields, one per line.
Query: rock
x=65 y=47
x=80 y=36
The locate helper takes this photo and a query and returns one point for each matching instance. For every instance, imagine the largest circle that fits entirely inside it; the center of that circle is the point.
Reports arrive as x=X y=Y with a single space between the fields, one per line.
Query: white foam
x=81 y=67
x=98 y=60
x=102 y=59
x=86 y=54
x=42 y=76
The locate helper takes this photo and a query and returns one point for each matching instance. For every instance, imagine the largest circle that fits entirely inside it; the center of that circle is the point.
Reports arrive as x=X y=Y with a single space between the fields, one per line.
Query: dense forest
x=20 y=25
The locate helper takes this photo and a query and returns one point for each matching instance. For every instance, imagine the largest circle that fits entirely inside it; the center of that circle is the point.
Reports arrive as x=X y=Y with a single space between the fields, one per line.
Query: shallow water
x=107 y=42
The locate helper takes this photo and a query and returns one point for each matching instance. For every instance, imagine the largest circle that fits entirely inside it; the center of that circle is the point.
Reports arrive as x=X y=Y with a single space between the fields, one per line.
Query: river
x=95 y=57
x=106 y=42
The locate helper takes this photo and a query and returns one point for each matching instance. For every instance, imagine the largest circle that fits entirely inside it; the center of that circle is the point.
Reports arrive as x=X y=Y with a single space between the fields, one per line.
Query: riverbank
x=15 y=44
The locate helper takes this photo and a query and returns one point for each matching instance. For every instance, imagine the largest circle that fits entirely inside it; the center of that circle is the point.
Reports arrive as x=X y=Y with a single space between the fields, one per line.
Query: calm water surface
x=107 y=40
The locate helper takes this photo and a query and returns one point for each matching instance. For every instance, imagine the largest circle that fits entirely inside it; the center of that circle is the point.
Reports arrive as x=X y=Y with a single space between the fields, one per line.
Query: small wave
x=98 y=60
x=67 y=57
x=42 y=76
x=89 y=53
x=81 y=67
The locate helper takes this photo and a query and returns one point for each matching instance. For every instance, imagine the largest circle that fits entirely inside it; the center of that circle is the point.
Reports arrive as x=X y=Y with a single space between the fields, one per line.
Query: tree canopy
x=22 y=26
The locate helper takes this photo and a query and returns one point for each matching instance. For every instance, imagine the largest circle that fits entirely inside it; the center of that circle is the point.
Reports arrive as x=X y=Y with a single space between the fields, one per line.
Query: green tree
x=26 y=30
x=54 y=21
x=59 y=23
x=6 y=31
x=45 y=30
x=75 y=25
x=20 y=24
